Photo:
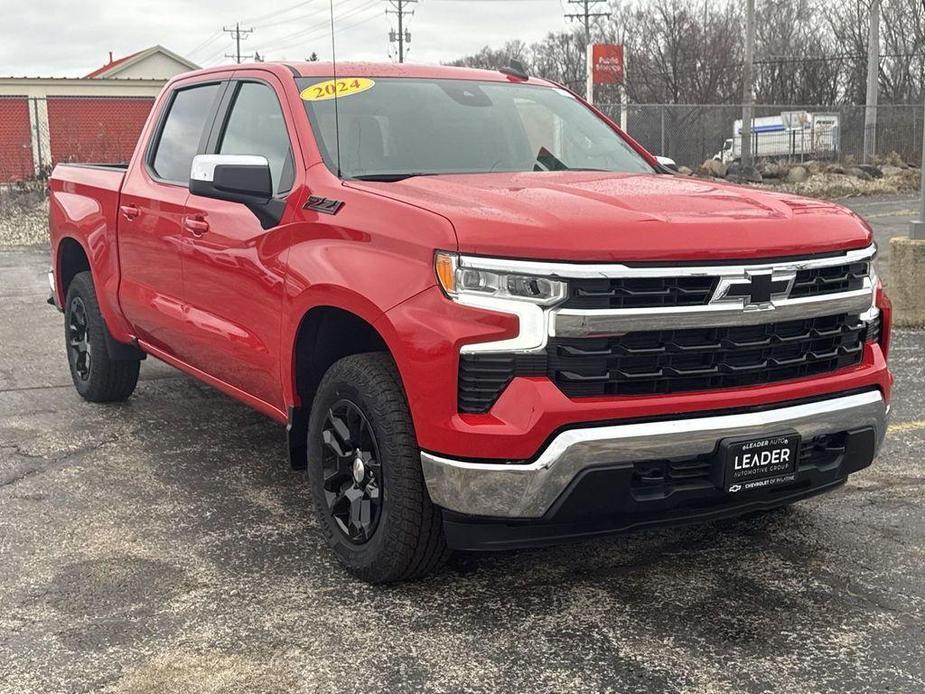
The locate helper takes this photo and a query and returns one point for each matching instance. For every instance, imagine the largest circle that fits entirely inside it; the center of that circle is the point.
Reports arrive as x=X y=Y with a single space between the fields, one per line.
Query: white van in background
x=790 y=134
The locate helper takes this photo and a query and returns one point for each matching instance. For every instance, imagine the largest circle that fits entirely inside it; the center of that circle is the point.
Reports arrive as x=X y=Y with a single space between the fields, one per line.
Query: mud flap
x=296 y=438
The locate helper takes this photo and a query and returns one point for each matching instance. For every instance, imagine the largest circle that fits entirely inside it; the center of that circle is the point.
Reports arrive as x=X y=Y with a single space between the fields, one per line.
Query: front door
x=151 y=211
x=233 y=273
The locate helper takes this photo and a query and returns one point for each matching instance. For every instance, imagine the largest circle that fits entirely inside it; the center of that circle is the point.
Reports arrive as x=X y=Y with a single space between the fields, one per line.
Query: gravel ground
x=23 y=218
x=162 y=545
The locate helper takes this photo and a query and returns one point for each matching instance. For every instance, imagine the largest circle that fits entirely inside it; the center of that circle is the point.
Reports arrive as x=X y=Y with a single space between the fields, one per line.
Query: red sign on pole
x=607 y=63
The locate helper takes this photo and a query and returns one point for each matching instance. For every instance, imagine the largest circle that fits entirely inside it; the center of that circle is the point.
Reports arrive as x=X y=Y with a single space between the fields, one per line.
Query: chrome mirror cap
x=667 y=162
x=203 y=166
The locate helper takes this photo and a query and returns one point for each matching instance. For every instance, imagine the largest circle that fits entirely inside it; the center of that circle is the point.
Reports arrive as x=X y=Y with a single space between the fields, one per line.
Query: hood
x=612 y=217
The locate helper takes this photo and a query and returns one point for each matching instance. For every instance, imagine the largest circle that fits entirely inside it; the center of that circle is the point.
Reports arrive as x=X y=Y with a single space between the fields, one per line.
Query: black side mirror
x=241 y=178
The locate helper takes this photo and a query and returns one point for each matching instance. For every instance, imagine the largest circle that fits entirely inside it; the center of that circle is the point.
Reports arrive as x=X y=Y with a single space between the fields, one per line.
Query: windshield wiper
x=547 y=161
x=389 y=177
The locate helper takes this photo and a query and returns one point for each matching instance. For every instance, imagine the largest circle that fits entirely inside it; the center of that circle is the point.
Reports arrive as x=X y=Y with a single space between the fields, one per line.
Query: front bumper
x=532 y=490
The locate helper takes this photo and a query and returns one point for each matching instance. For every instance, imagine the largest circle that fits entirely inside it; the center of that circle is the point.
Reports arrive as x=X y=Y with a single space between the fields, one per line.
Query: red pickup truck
x=488 y=317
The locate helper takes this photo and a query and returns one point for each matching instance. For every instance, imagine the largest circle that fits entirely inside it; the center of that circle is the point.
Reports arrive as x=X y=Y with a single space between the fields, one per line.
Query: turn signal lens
x=445 y=267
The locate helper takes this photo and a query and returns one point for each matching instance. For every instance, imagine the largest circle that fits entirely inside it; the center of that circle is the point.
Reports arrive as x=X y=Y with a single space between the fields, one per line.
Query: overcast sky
x=69 y=38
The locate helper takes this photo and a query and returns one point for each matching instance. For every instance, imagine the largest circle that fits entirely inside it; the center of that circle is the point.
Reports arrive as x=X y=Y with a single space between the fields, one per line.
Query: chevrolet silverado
x=488 y=317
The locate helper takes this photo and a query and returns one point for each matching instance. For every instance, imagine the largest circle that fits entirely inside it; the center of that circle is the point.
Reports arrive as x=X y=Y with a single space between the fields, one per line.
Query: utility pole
x=917 y=230
x=586 y=15
x=238 y=33
x=748 y=87
x=403 y=36
x=873 y=82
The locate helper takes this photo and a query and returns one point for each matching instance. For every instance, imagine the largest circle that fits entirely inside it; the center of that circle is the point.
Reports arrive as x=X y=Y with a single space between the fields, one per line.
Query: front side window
x=182 y=132
x=400 y=127
x=256 y=126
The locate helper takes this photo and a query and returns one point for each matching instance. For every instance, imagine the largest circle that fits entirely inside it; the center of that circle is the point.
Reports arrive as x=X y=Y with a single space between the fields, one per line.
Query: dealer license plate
x=759 y=463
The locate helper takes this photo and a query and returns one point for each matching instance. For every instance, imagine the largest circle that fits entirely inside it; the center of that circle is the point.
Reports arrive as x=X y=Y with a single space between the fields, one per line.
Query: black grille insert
x=639 y=292
x=657 y=479
x=482 y=377
x=830 y=280
x=672 y=361
x=658 y=292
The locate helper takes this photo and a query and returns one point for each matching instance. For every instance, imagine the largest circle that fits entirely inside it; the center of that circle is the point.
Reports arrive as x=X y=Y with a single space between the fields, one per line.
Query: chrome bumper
x=528 y=490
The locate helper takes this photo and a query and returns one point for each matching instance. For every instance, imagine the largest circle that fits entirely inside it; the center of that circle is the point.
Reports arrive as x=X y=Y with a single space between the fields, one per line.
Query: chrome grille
x=636 y=330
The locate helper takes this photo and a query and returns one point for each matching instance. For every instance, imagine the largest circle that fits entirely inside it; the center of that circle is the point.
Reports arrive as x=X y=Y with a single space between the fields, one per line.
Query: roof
x=355 y=69
x=318 y=69
x=106 y=68
x=114 y=67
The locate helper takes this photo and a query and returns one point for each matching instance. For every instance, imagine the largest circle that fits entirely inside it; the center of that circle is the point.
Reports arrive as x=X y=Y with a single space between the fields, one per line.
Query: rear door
x=151 y=215
x=233 y=273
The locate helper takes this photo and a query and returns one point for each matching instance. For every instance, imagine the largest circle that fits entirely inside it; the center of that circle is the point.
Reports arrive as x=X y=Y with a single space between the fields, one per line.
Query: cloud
x=63 y=38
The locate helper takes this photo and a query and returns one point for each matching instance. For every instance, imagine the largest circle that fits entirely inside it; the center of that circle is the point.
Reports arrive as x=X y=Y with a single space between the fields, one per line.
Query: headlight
x=461 y=276
x=872 y=269
x=871 y=317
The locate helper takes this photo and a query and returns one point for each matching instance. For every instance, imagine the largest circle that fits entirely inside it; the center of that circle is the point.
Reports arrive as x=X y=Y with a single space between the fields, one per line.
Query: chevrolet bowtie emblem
x=755 y=290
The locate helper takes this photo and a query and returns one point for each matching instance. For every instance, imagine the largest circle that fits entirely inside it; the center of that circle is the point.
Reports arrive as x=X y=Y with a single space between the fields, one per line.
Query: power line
x=774 y=60
x=318 y=29
x=214 y=56
x=205 y=43
x=238 y=33
x=403 y=36
x=276 y=13
x=286 y=20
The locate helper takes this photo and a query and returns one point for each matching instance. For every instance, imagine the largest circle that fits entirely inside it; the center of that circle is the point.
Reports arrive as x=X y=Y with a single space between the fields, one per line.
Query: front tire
x=96 y=376
x=364 y=469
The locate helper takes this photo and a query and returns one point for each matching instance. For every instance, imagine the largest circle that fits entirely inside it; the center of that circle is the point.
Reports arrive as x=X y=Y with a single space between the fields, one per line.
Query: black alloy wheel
x=351 y=471
x=96 y=375
x=364 y=472
x=78 y=339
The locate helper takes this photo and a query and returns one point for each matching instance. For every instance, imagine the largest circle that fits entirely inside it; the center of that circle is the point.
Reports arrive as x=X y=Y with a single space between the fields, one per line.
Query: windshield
x=394 y=128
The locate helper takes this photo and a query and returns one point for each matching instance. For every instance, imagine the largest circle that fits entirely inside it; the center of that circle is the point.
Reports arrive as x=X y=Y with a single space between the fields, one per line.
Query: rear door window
x=182 y=132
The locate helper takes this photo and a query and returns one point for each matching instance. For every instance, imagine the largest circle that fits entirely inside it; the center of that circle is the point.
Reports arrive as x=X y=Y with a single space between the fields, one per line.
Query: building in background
x=96 y=118
x=155 y=63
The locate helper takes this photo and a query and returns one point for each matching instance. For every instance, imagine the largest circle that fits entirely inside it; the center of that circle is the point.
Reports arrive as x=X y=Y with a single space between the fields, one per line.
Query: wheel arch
x=325 y=333
x=71 y=259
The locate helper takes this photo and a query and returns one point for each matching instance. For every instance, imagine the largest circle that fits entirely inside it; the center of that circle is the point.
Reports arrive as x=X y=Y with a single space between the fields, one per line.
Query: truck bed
x=84 y=206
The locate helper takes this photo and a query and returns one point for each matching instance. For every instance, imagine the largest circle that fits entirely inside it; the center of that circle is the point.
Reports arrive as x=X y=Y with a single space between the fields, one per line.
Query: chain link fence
x=690 y=134
x=37 y=133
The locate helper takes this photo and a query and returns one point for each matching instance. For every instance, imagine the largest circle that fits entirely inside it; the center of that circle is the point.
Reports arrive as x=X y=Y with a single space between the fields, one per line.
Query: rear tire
x=96 y=377
x=364 y=469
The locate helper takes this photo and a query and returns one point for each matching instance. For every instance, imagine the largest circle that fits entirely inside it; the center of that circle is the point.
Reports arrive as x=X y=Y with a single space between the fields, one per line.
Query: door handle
x=196 y=225
x=129 y=211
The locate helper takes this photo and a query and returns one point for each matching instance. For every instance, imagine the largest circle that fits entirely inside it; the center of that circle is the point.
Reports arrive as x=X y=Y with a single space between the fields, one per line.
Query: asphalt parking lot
x=163 y=545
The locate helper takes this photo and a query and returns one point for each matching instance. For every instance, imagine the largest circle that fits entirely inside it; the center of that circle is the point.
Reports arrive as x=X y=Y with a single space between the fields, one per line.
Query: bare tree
x=903 y=38
x=690 y=51
x=561 y=58
x=797 y=63
x=492 y=59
